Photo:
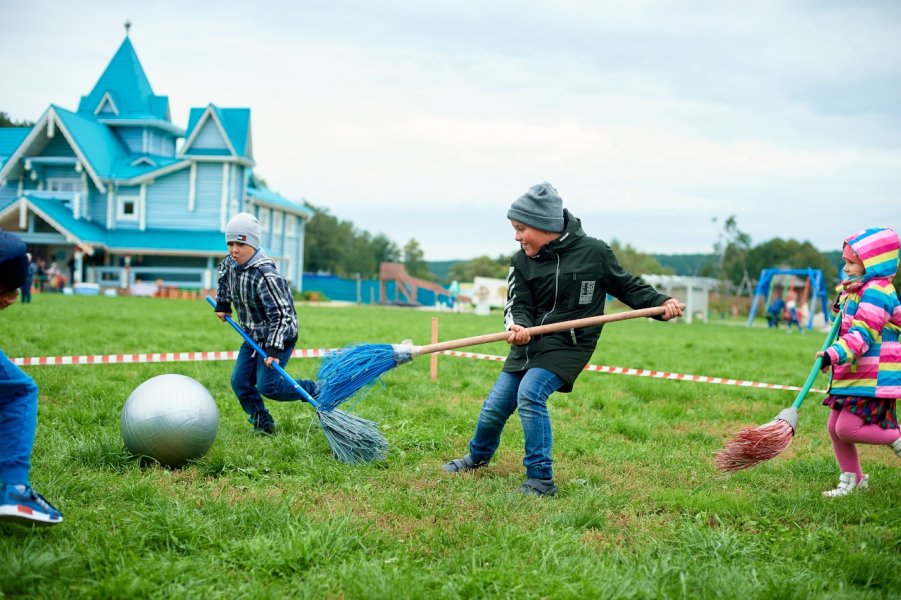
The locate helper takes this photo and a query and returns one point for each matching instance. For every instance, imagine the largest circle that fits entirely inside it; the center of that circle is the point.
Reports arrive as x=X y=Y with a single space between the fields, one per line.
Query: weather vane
x=127 y=27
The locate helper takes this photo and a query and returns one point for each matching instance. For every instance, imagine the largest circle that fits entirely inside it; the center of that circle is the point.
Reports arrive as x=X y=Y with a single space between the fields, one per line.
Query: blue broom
x=351 y=438
x=344 y=372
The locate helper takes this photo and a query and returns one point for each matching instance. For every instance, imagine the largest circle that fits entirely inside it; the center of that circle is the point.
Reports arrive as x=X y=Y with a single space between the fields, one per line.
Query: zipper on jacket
x=554 y=307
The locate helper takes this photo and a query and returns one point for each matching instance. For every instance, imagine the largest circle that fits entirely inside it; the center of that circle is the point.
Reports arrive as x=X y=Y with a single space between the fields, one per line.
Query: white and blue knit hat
x=244 y=228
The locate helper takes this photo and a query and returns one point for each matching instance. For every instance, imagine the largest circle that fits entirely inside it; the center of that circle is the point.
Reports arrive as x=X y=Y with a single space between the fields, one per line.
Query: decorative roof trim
x=52 y=119
x=70 y=237
x=207 y=114
x=144 y=160
x=154 y=174
x=106 y=99
x=174 y=129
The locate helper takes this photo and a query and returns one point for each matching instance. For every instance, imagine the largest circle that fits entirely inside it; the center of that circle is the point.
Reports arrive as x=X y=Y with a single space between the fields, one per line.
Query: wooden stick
x=655 y=311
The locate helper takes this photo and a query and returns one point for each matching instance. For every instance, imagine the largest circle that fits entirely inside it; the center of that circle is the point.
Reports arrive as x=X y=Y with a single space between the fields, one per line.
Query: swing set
x=803 y=284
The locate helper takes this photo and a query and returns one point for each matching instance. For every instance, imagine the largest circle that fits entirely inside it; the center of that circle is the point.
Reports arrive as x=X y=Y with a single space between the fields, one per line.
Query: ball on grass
x=171 y=419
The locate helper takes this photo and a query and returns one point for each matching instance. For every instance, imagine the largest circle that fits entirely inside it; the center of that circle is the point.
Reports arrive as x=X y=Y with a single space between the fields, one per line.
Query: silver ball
x=171 y=419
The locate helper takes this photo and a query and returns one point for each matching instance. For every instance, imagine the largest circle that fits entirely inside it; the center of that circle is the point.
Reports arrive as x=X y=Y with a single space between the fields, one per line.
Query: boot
x=896 y=446
x=847 y=483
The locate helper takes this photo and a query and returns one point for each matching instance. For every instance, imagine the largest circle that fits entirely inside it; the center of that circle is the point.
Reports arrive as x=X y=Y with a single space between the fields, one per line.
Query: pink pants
x=846 y=429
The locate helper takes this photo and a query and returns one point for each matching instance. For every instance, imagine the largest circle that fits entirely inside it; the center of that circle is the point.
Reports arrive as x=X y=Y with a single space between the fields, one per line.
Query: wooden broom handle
x=655 y=311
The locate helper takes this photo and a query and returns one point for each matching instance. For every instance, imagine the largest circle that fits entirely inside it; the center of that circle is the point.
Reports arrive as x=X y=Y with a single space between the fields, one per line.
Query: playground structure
x=807 y=286
x=407 y=286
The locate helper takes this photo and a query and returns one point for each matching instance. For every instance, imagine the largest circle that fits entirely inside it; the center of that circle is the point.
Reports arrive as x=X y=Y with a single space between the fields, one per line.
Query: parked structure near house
x=116 y=192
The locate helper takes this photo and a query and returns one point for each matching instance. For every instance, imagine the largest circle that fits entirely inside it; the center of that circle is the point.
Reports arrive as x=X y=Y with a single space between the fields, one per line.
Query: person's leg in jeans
x=534 y=390
x=18 y=421
x=244 y=380
x=497 y=408
x=271 y=384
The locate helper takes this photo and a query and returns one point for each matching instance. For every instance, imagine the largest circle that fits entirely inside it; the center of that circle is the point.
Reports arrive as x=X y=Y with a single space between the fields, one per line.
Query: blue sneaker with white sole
x=21 y=504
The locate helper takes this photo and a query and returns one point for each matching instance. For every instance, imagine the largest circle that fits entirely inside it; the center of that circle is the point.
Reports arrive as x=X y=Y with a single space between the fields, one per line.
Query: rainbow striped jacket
x=866 y=356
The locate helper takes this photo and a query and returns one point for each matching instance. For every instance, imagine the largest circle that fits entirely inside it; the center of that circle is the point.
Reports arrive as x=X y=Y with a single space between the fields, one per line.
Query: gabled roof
x=124 y=91
x=89 y=235
x=269 y=198
x=214 y=131
x=10 y=139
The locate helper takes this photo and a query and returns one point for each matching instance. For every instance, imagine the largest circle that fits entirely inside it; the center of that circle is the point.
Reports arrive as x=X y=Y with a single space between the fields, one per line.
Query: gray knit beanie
x=541 y=207
x=244 y=228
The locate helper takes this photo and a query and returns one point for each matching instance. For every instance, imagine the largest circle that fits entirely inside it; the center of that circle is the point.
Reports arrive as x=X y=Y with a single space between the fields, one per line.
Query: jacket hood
x=259 y=258
x=572 y=231
x=878 y=249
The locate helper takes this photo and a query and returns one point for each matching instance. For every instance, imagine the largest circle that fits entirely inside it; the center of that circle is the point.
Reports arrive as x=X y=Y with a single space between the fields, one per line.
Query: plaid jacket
x=262 y=298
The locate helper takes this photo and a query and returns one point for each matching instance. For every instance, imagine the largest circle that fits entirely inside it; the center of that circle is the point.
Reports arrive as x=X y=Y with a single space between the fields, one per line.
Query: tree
x=789 y=254
x=482 y=266
x=6 y=121
x=337 y=247
x=731 y=252
x=414 y=261
x=637 y=262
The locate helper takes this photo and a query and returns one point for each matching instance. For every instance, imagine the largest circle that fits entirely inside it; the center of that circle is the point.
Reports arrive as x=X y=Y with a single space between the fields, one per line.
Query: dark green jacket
x=568 y=279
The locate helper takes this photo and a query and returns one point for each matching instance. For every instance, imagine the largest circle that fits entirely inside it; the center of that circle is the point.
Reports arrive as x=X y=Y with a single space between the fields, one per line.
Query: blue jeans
x=528 y=392
x=252 y=379
x=18 y=421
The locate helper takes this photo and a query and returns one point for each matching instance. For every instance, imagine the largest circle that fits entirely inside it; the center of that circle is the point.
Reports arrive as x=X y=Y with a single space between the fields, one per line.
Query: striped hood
x=878 y=249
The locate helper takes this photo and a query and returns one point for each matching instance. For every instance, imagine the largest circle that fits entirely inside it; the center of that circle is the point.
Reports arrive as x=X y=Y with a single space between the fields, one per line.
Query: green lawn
x=641 y=512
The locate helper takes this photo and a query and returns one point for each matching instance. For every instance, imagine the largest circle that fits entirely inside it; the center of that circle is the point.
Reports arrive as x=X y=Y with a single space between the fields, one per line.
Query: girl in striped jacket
x=866 y=356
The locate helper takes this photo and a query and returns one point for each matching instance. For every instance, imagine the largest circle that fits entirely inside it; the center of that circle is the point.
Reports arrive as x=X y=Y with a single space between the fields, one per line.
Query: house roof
x=90 y=235
x=124 y=92
x=10 y=138
x=270 y=198
x=233 y=125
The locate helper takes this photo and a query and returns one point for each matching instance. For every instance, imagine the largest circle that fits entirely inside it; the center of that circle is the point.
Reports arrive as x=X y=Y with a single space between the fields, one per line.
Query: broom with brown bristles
x=754 y=445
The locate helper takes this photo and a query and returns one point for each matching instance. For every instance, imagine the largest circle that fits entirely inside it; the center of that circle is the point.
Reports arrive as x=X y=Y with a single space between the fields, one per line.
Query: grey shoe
x=463 y=465
x=538 y=487
x=896 y=446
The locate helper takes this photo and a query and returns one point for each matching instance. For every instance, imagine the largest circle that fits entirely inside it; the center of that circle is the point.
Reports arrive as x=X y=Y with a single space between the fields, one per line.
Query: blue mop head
x=353 y=439
x=344 y=372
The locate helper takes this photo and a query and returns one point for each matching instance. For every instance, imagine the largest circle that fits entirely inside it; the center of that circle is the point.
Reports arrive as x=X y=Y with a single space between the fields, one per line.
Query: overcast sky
x=426 y=120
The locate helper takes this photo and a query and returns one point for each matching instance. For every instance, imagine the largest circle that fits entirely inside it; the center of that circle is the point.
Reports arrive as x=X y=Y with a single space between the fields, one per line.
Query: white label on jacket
x=586 y=292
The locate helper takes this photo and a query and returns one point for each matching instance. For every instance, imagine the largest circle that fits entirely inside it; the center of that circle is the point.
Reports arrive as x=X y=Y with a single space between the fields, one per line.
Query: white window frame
x=277 y=220
x=290 y=225
x=135 y=200
x=263 y=218
x=65 y=184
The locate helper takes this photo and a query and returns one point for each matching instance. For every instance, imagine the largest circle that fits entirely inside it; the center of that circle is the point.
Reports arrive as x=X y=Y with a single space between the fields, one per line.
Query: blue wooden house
x=116 y=192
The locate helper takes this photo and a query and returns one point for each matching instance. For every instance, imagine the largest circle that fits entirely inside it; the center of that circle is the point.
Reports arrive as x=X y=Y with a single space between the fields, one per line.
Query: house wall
x=209 y=193
x=167 y=203
x=132 y=137
x=57 y=146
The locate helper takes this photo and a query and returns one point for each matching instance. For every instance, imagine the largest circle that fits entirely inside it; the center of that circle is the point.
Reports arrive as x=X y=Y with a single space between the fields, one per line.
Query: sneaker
x=538 y=487
x=896 y=446
x=847 y=483
x=21 y=504
x=262 y=422
x=463 y=465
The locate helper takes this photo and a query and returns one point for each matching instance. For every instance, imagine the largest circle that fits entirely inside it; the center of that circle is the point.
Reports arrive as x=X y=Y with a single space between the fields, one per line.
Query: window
x=277 y=223
x=290 y=225
x=263 y=219
x=127 y=208
x=64 y=184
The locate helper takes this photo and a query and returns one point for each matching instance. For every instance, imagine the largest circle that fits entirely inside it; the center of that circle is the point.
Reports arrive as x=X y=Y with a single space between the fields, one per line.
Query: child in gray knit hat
x=265 y=306
x=19 y=503
x=559 y=274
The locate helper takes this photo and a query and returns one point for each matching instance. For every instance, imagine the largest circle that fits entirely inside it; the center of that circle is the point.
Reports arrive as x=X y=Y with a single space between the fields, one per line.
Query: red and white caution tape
x=647 y=373
x=118 y=359
x=161 y=357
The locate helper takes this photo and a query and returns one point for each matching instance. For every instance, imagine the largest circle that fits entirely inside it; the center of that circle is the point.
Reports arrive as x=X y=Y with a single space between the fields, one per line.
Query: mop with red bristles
x=344 y=372
x=754 y=445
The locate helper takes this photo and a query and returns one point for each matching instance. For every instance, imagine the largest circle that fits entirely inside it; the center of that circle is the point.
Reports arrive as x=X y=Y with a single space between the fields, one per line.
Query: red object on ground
x=754 y=445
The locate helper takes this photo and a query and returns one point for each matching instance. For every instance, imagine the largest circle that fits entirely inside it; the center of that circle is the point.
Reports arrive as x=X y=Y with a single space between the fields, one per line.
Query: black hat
x=13 y=262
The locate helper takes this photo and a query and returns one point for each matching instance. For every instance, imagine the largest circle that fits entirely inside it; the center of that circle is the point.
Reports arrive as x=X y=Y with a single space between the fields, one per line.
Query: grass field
x=641 y=512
